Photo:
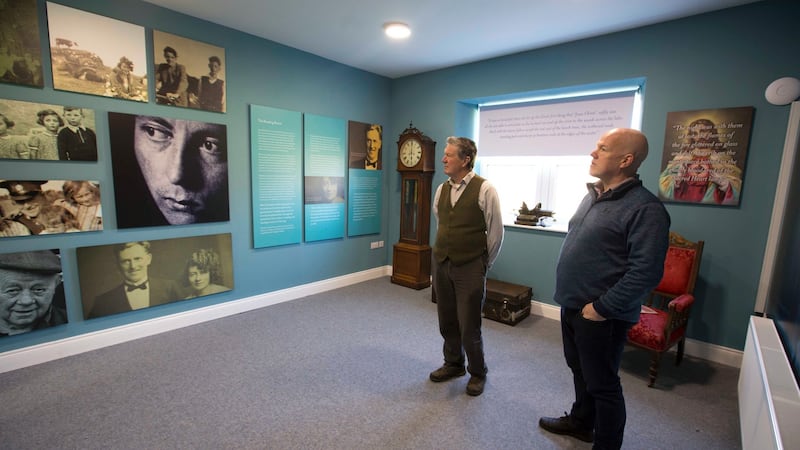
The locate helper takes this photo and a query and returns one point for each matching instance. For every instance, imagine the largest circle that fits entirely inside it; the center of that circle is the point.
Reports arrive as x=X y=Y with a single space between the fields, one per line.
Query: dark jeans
x=460 y=293
x=593 y=351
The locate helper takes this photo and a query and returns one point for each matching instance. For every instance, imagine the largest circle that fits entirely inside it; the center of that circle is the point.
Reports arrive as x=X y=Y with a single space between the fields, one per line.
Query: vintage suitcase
x=507 y=302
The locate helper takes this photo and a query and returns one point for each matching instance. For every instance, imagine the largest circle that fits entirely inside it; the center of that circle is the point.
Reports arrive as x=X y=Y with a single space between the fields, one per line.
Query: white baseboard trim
x=697 y=349
x=49 y=351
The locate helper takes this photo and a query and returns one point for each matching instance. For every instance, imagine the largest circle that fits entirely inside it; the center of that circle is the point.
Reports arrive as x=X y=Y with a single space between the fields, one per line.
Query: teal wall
x=257 y=72
x=717 y=60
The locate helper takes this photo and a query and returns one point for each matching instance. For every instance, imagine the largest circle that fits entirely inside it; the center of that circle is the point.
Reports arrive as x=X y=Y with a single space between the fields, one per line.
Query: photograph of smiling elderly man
x=31 y=294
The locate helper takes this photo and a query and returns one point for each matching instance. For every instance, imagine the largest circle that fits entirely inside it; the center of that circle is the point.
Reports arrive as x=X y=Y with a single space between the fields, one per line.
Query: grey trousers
x=460 y=293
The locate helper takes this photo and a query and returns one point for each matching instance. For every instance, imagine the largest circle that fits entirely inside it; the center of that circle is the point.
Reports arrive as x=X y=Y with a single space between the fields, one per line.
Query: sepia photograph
x=93 y=54
x=364 y=143
x=46 y=132
x=188 y=73
x=39 y=207
x=20 y=45
x=31 y=292
x=124 y=277
x=168 y=171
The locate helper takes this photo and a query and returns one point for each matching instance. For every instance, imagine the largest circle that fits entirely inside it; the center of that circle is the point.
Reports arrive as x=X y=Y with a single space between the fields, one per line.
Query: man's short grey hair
x=466 y=147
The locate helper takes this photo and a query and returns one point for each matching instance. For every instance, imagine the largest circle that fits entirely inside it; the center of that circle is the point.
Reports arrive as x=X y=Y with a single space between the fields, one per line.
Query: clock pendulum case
x=411 y=258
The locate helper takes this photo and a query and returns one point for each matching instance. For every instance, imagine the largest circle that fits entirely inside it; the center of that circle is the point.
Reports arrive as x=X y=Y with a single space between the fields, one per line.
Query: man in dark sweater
x=468 y=239
x=611 y=258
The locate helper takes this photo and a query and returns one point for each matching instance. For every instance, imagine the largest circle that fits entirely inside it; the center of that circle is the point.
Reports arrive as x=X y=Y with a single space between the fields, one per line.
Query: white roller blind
x=559 y=127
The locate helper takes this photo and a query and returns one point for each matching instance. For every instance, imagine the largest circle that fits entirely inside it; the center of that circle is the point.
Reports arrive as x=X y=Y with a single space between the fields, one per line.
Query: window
x=535 y=147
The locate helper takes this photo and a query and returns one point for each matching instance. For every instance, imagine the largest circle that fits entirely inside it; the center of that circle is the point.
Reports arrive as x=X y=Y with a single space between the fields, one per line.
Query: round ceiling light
x=396 y=30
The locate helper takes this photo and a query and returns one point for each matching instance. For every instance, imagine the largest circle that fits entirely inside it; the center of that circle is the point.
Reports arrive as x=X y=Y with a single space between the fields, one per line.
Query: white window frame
x=535 y=179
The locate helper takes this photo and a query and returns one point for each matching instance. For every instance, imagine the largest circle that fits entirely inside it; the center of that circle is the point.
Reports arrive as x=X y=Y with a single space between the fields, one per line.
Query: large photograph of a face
x=93 y=54
x=20 y=46
x=188 y=73
x=46 y=132
x=31 y=294
x=127 y=276
x=168 y=171
x=41 y=207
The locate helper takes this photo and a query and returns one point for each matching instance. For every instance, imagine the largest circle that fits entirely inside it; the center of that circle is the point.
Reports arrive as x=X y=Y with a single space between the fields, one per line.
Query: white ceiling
x=444 y=32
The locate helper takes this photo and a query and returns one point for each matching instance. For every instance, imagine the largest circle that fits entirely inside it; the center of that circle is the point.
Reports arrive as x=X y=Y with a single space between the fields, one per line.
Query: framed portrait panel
x=188 y=73
x=168 y=171
x=364 y=145
x=20 y=45
x=38 y=273
x=127 y=276
x=93 y=54
x=47 y=132
x=41 y=207
x=704 y=156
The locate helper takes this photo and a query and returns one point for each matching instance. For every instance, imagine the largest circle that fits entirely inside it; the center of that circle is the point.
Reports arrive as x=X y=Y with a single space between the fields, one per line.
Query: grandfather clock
x=411 y=260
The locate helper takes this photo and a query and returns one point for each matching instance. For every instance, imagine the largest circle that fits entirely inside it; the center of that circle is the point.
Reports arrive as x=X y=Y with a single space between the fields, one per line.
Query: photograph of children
x=168 y=171
x=704 y=156
x=31 y=293
x=93 y=54
x=188 y=73
x=48 y=132
x=34 y=207
x=128 y=276
x=20 y=45
x=324 y=190
x=364 y=144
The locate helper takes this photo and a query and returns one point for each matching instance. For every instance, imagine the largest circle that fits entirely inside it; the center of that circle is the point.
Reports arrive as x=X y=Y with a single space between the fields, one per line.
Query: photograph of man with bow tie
x=138 y=289
x=365 y=143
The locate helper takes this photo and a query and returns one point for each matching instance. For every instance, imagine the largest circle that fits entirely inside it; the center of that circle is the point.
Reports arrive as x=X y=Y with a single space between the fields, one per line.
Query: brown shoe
x=446 y=372
x=475 y=385
x=565 y=425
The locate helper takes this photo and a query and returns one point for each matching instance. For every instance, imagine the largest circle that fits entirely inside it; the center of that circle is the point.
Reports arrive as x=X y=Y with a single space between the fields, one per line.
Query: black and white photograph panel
x=98 y=55
x=324 y=190
x=31 y=293
x=40 y=207
x=46 y=132
x=188 y=73
x=168 y=171
x=124 y=277
x=20 y=45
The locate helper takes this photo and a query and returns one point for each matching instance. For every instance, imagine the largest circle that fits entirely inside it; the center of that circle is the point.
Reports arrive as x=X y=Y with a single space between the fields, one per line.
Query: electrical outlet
x=375 y=244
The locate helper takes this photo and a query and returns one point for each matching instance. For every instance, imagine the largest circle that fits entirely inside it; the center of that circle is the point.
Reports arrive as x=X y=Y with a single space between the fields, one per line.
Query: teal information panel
x=324 y=163
x=276 y=164
x=364 y=202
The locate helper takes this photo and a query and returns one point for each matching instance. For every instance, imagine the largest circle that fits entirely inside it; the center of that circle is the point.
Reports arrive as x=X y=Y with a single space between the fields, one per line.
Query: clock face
x=410 y=153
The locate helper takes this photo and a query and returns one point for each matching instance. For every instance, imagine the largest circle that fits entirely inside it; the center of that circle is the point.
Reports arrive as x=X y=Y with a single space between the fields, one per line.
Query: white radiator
x=769 y=398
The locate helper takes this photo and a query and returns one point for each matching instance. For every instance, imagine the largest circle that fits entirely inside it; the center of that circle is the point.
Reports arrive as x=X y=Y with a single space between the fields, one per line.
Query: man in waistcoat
x=468 y=239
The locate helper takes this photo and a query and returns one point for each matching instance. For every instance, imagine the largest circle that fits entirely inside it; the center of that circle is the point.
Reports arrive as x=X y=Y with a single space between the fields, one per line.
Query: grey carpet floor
x=345 y=369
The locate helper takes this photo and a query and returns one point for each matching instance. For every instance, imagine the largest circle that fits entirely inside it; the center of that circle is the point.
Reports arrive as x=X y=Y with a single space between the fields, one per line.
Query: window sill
x=536 y=228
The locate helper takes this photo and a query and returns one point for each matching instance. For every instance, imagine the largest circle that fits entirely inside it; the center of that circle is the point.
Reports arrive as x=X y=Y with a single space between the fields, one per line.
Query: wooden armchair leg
x=654 y=363
x=679 y=355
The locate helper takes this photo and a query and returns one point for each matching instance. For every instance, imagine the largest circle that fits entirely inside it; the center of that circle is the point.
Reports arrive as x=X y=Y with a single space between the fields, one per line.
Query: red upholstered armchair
x=662 y=323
